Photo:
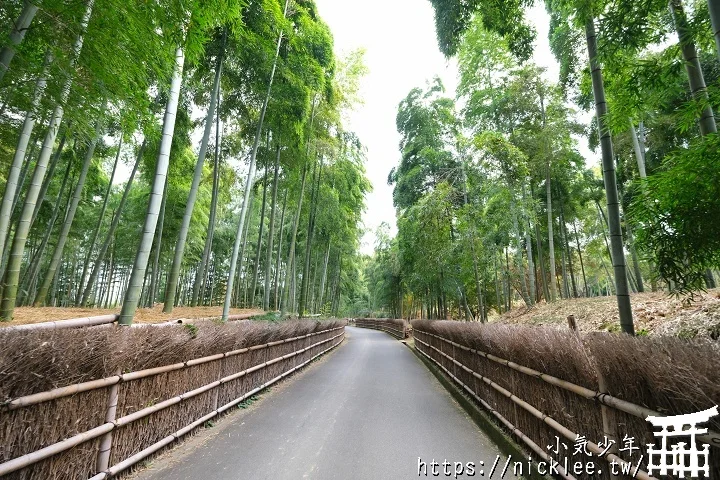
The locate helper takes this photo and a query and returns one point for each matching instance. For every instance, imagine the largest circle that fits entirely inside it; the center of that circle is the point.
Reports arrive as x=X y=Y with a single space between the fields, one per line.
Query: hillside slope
x=654 y=314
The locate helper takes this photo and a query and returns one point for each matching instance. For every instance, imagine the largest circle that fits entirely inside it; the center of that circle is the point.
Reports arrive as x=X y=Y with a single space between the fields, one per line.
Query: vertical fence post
x=221 y=369
x=103 y=457
x=609 y=418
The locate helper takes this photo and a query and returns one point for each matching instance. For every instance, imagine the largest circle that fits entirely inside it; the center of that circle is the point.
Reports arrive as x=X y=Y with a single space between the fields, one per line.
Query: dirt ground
x=654 y=314
x=25 y=315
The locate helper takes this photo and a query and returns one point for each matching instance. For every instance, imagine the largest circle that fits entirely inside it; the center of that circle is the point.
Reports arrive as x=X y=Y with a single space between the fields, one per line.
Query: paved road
x=365 y=413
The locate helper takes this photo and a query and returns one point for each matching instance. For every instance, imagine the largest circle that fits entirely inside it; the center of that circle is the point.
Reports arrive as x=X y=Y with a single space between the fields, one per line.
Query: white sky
x=401 y=54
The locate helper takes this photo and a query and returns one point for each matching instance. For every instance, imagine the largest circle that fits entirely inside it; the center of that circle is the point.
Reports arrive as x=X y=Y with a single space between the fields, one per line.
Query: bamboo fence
x=397 y=328
x=541 y=408
x=100 y=428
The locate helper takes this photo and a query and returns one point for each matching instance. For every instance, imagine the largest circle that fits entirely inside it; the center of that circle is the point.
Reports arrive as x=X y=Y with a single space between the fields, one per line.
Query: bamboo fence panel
x=395 y=327
x=549 y=407
x=100 y=428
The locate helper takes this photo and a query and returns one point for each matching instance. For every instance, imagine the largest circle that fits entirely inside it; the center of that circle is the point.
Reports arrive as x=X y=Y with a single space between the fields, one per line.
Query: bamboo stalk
x=566 y=432
x=711 y=437
x=72 y=323
x=103 y=458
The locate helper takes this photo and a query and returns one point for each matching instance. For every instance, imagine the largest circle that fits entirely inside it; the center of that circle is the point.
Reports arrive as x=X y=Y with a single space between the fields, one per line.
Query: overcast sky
x=401 y=54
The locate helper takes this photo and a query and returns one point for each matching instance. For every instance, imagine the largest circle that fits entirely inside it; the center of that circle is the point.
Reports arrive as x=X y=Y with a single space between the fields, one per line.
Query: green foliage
x=677 y=214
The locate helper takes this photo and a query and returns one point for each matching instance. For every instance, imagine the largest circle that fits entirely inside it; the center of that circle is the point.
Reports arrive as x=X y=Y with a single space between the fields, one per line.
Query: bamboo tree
x=290 y=265
x=157 y=245
x=551 y=236
x=611 y=193
x=48 y=177
x=111 y=232
x=34 y=268
x=194 y=188
x=201 y=273
x=256 y=264
x=157 y=192
x=13 y=182
x=12 y=273
x=245 y=236
x=305 y=285
x=323 y=278
x=251 y=173
x=271 y=234
x=17 y=34
x=96 y=232
x=276 y=280
x=57 y=255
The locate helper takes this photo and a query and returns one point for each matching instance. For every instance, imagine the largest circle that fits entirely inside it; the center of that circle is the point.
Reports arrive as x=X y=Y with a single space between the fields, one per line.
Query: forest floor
x=25 y=315
x=654 y=313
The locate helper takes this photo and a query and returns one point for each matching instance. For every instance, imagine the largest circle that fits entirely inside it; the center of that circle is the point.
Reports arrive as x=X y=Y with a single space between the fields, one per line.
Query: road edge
x=478 y=415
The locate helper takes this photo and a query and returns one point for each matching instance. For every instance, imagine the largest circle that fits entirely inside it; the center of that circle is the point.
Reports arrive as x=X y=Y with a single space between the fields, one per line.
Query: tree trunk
x=698 y=89
x=634 y=257
x=305 y=283
x=111 y=231
x=289 y=266
x=582 y=264
x=714 y=9
x=528 y=247
x=34 y=268
x=12 y=273
x=16 y=35
x=194 y=188
x=157 y=245
x=520 y=262
x=202 y=269
x=245 y=237
x=132 y=293
x=57 y=255
x=566 y=246
x=551 y=236
x=276 y=281
x=48 y=178
x=611 y=193
x=323 y=278
x=96 y=232
x=256 y=264
x=13 y=182
x=251 y=172
x=271 y=234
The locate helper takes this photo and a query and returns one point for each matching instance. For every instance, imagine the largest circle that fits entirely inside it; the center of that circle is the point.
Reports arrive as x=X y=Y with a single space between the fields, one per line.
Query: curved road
x=366 y=412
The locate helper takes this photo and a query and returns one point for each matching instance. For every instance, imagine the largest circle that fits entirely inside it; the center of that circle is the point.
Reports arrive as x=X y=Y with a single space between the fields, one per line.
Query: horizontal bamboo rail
x=533 y=446
x=382 y=325
x=711 y=437
x=64 y=445
x=108 y=320
x=551 y=422
x=35 y=398
x=58 y=324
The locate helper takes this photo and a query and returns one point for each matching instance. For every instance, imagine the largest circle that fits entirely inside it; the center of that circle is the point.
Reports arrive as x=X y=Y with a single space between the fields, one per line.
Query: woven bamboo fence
x=397 y=328
x=99 y=428
x=549 y=386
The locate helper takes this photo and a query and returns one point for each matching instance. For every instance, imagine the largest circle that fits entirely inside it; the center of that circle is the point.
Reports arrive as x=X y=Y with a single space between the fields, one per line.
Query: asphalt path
x=369 y=411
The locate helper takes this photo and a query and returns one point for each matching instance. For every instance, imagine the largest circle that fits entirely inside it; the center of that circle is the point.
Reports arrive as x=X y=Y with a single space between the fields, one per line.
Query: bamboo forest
x=173 y=154
x=359 y=240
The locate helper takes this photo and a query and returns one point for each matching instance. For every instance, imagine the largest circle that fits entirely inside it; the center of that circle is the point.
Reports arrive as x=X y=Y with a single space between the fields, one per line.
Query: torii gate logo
x=678 y=460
